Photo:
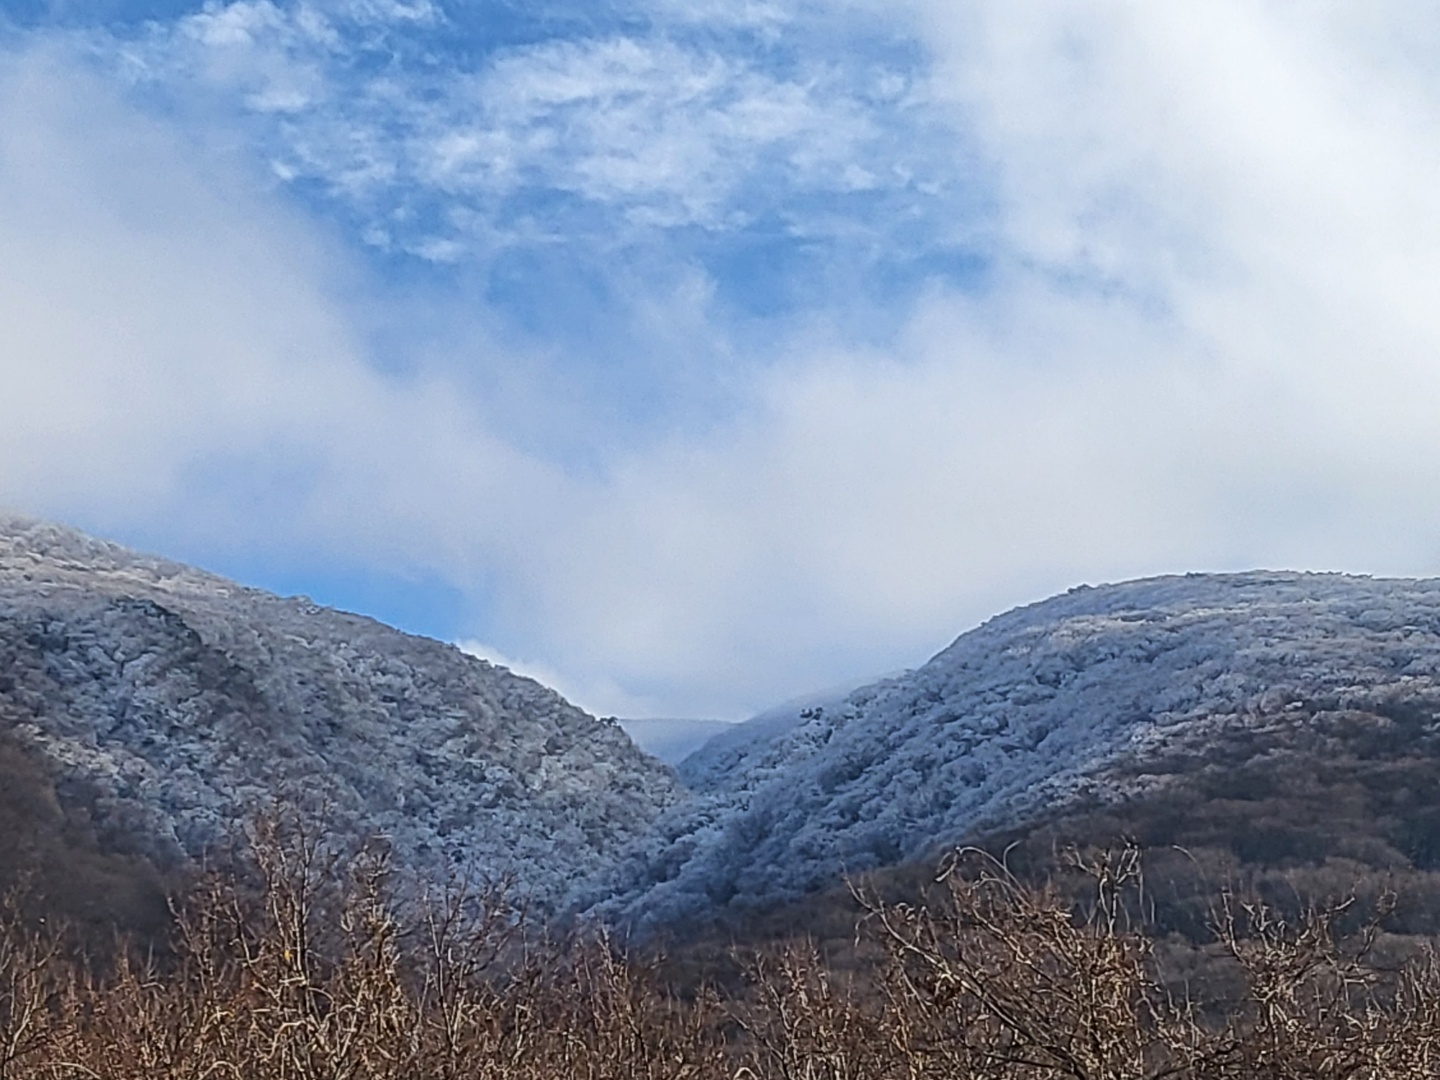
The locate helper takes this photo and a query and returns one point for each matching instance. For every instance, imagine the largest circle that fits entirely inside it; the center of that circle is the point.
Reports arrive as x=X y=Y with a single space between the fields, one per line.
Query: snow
x=1031 y=711
x=174 y=703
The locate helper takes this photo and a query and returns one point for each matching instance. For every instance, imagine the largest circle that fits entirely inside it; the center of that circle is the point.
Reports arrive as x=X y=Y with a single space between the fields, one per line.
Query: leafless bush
x=314 y=971
x=32 y=975
x=1005 y=980
x=804 y=1022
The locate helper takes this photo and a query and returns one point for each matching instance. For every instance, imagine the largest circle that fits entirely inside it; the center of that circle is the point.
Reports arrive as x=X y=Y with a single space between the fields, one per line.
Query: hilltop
x=1101 y=698
x=146 y=708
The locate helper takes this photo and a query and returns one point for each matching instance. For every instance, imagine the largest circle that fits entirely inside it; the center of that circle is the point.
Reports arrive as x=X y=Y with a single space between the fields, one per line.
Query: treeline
x=314 y=966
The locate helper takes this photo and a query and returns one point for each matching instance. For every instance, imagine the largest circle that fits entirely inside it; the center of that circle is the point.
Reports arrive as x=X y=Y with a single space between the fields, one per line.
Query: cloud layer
x=1073 y=292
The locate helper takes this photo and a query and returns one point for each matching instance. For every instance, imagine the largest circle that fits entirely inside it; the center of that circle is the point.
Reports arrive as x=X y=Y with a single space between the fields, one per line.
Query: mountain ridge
x=151 y=706
x=1057 y=703
x=171 y=703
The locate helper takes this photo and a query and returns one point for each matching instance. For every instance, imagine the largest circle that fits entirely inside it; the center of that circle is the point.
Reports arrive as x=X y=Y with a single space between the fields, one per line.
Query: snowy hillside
x=166 y=703
x=712 y=763
x=1033 y=710
x=170 y=702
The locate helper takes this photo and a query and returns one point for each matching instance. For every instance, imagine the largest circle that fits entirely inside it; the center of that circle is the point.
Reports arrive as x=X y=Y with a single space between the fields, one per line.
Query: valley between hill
x=1274 y=728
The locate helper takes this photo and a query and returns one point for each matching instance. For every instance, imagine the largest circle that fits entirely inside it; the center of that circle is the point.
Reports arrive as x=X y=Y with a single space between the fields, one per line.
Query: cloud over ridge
x=1009 y=300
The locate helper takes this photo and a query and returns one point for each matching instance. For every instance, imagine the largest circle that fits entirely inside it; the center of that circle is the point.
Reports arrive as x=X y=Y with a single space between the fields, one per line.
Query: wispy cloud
x=450 y=153
x=671 y=136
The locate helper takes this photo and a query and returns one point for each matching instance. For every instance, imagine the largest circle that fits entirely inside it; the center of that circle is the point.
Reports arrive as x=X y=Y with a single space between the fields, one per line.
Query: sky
x=695 y=354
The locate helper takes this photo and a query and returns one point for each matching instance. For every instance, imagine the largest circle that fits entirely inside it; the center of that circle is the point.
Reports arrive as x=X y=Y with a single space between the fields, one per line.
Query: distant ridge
x=672 y=741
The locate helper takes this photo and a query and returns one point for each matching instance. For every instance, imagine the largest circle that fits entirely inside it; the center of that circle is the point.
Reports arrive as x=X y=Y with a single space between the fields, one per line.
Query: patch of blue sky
x=418 y=603
x=452 y=140
x=118 y=14
x=281 y=480
x=767 y=271
x=473 y=29
x=570 y=303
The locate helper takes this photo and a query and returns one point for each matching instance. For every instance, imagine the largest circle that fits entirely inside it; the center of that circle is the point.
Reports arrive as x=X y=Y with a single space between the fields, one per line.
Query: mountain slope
x=146 y=708
x=166 y=703
x=1062 y=703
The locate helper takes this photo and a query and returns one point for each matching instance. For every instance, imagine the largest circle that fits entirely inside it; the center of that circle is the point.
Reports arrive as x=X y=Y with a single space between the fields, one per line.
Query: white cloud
x=744 y=15
x=602 y=696
x=671 y=133
x=1212 y=344
x=175 y=348
x=1209 y=341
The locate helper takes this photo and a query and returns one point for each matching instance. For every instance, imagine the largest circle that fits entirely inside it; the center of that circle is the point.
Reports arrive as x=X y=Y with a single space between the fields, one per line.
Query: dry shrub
x=310 y=971
x=307 y=971
x=802 y=1022
x=1006 y=980
x=998 y=979
x=33 y=974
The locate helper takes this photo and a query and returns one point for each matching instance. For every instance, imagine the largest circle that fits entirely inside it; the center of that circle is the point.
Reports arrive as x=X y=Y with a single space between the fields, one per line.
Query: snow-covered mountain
x=1056 y=704
x=168 y=703
x=164 y=704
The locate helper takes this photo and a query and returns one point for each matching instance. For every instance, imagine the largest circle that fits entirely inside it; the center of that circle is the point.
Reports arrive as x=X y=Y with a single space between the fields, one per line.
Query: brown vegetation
x=312 y=973
x=48 y=843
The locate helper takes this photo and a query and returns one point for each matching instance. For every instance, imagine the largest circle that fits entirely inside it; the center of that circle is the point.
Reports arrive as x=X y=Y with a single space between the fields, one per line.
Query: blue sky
x=692 y=355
